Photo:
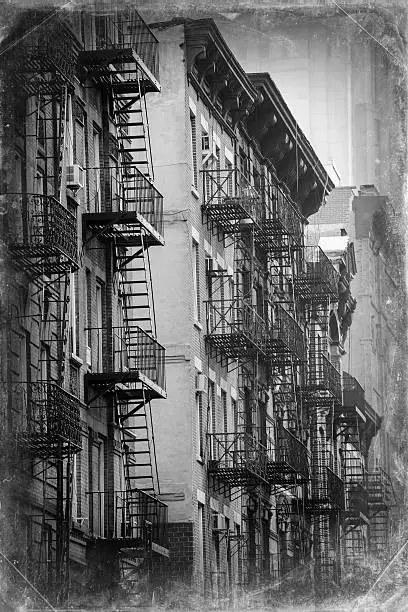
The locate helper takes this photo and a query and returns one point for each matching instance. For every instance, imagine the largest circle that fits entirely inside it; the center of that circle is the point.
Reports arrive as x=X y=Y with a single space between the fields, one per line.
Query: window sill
x=75 y=360
x=195 y=192
x=198 y=325
x=200 y=459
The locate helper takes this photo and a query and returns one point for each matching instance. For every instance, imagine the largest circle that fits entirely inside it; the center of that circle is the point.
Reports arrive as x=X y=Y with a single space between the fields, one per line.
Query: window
x=199 y=417
x=88 y=311
x=196 y=281
x=74 y=314
x=201 y=538
x=99 y=298
x=224 y=408
x=193 y=131
x=96 y=170
x=211 y=408
x=234 y=415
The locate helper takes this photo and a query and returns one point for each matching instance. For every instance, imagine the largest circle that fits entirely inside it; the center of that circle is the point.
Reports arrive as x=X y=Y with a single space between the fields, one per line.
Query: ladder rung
x=130 y=124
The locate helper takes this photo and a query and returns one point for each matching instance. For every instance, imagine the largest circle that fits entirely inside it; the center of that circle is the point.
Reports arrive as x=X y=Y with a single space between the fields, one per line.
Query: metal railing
x=39 y=227
x=357 y=498
x=319 y=278
x=353 y=392
x=281 y=212
x=47 y=49
x=45 y=417
x=127 y=350
x=335 y=489
x=379 y=487
x=287 y=454
x=132 y=516
x=237 y=456
x=124 y=30
x=323 y=376
x=287 y=335
x=229 y=198
x=234 y=321
x=125 y=191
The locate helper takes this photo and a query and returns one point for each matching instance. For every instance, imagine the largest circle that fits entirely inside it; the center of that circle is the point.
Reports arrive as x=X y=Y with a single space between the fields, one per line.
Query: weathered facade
x=248 y=317
x=81 y=513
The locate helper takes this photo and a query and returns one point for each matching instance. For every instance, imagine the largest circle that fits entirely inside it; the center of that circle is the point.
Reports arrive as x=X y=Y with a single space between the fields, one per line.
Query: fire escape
x=288 y=459
x=351 y=423
x=380 y=500
x=41 y=235
x=127 y=216
x=317 y=285
x=237 y=336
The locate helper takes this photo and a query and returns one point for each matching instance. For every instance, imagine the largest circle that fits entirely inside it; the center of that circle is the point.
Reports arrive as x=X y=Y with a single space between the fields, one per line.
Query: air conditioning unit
x=75 y=177
x=201 y=383
x=218 y=521
x=205 y=144
x=88 y=355
x=211 y=265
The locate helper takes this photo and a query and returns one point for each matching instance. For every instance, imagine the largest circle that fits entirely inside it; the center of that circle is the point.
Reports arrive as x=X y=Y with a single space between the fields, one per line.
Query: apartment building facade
x=81 y=518
x=249 y=320
x=370 y=380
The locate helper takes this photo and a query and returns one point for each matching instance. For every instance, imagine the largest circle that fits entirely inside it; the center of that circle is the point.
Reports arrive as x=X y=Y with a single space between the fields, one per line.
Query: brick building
x=364 y=217
x=248 y=316
x=81 y=513
x=252 y=319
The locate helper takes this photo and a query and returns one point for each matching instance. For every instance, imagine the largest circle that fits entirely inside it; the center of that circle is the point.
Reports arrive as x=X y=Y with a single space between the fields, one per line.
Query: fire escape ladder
x=136 y=442
x=136 y=290
x=132 y=130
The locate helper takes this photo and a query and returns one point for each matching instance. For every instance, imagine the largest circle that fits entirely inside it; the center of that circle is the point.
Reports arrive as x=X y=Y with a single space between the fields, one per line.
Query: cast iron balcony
x=287 y=341
x=137 y=359
x=328 y=494
x=47 y=418
x=41 y=233
x=230 y=201
x=237 y=458
x=319 y=278
x=235 y=328
x=323 y=381
x=122 y=202
x=123 y=49
x=282 y=218
x=45 y=58
x=139 y=524
x=288 y=458
x=379 y=490
x=353 y=393
x=356 y=503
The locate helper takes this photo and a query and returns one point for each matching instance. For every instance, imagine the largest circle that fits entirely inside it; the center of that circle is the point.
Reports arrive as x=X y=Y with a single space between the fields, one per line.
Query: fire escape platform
x=129 y=548
x=232 y=213
x=103 y=65
x=233 y=345
x=125 y=384
x=123 y=227
x=236 y=476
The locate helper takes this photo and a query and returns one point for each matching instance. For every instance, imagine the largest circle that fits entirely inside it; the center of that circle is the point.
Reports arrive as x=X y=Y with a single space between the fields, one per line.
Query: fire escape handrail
x=121 y=191
x=281 y=209
x=47 y=412
x=229 y=185
x=236 y=448
x=286 y=449
x=324 y=376
x=225 y=317
x=145 y=356
x=135 y=513
x=287 y=330
x=128 y=33
x=319 y=277
x=40 y=226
